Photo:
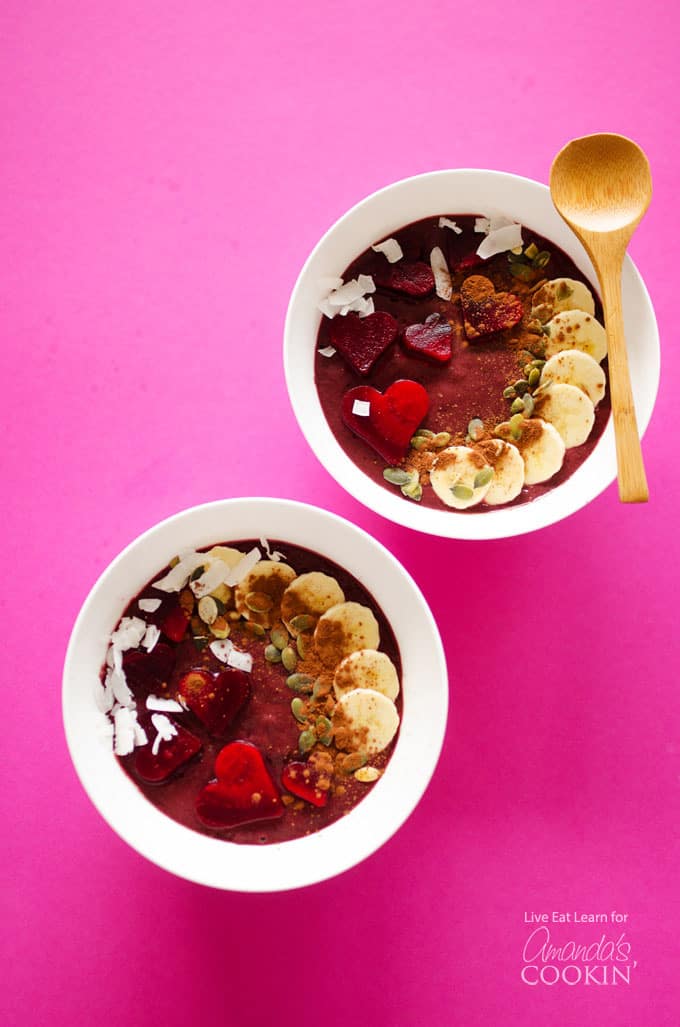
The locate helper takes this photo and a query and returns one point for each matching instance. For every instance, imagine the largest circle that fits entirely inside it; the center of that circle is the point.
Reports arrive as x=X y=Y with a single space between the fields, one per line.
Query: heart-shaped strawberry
x=174 y=624
x=386 y=421
x=215 y=698
x=302 y=780
x=413 y=279
x=485 y=310
x=244 y=791
x=361 y=340
x=171 y=755
x=149 y=672
x=467 y=263
x=431 y=339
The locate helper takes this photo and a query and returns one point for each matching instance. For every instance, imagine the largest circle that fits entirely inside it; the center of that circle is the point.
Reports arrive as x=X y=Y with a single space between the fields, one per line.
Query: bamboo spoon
x=601 y=185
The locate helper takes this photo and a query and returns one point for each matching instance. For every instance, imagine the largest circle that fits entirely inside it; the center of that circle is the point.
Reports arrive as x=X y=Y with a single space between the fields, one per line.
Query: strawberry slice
x=215 y=698
x=485 y=310
x=174 y=624
x=413 y=279
x=431 y=340
x=149 y=672
x=171 y=755
x=392 y=418
x=302 y=780
x=362 y=340
x=243 y=792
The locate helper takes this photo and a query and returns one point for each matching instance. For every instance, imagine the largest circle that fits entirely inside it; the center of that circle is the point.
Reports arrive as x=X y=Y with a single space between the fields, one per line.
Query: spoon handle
x=631 y=470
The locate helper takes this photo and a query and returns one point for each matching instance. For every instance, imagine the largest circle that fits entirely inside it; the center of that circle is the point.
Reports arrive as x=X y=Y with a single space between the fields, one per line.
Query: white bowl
x=212 y=861
x=458 y=192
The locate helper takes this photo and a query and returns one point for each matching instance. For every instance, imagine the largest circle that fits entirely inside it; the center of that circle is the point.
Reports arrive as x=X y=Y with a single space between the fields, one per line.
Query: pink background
x=166 y=169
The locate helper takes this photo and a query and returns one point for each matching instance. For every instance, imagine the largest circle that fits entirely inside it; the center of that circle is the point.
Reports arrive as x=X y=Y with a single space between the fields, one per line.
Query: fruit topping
x=386 y=421
x=243 y=792
x=431 y=339
x=485 y=310
x=175 y=624
x=413 y=279
x=303 y=780
x=362 y=340
x=171 y=753
x=149 y=672
x=215 y=698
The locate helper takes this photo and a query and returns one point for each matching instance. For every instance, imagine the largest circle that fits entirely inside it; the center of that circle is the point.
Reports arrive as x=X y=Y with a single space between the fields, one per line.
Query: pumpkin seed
x=259 y=602
x=272 y=654
x=541 y=259
x=304 y=643
x=367 y=774
x=303 y=622
x=207 y=609
x=324 y=730
x=300 y=683
x=255 y=629
x=220 y=627
x=425 y=433
x=524 y=272
x=534 y=377
x=540 y=364
x=289 y=659
x=413 y=491
x=299 y=710
x=418 y=442
x=462 y=492
x=395 y=476
x=516 y=425
x=279 y=636
x=564 y=291
x=502 y=430
x=521 y=386
x=531 y=252
x=307 y=740
x=483 y=477
x=322 y=686
x=509 y=393
x=441 y=439
x=476 y=429
x=526 y=370
x=517 y=406
x=528 y=402
x=353 y=761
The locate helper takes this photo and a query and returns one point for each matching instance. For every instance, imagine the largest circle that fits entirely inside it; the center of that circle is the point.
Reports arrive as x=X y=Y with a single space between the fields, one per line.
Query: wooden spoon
x=601 y=185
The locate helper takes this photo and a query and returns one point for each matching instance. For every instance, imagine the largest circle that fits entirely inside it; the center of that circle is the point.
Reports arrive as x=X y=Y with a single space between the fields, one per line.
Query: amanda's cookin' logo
x=600 y=960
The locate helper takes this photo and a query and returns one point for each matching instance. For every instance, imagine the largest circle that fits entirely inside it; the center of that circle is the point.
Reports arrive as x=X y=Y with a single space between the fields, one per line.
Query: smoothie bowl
x=255 y=695
x=445 y=356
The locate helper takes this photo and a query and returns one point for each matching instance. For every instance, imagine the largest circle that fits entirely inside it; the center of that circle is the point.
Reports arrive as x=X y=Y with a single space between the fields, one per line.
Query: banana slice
x=542 y=450
x=572 y=367
x=257 y=597
x=367 y=668
x=569 y=410
x=576 y=329
x=343 y=629
x=310 y=594
x=508 y=468
x=461 y=477
x=369 y=719
x=561 y=294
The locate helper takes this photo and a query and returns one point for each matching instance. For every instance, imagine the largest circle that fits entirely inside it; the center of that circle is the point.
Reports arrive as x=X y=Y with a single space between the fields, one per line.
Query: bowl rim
x=279 y=866
x=590 y=479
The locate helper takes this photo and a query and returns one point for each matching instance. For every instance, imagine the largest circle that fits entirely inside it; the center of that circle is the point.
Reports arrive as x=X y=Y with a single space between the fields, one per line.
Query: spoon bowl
x=601 y=185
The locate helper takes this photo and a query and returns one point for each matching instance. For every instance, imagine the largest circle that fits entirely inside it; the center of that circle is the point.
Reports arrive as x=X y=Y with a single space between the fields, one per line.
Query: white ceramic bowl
x=457 y=192
x=290 y=864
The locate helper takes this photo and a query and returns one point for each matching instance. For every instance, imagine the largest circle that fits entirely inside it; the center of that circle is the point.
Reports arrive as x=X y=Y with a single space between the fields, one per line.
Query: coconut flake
x=368 y=307
x=177 y=576
x=328 y=351
x=221 y=648
x=140 y=733
x=482 y=225
x=156 y=702
x=149 y=605
x=499 y=240
x=124 y=720
x=326 y=308
x=391 y=249
x=240 y=660
x=104 y=695
x=165 y=730
x=366 y=283
x=448 y=223
x=243 y=567
x=115 y=679
x=361 y=407
x=347 y=293
x=214 y=575
x=129 y=633
x=347 y=297
x=151 y=637
x=442 y=277
x=272 y=554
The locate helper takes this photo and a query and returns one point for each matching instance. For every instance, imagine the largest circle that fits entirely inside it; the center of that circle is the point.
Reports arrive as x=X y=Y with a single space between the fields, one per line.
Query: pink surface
x=166 y=169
